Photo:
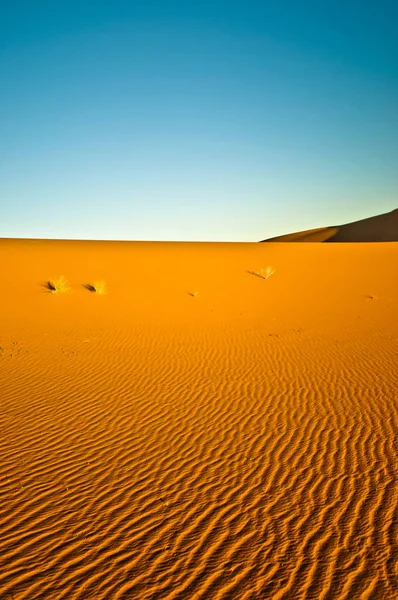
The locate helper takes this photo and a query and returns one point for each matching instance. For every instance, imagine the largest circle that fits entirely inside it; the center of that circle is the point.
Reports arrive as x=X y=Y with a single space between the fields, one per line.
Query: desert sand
x=198 y=431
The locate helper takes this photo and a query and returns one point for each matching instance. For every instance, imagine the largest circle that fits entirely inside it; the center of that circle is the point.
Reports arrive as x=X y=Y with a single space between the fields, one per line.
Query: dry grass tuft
x=263 y=273
x=58 y=285
x=98 y=287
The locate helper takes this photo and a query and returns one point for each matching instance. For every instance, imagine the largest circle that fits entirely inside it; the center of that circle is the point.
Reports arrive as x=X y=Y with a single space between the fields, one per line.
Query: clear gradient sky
x=195 y=120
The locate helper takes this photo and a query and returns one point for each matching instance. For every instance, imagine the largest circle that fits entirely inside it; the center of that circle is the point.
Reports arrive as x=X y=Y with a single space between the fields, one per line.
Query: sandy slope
x=236 y=444
x=381 y=228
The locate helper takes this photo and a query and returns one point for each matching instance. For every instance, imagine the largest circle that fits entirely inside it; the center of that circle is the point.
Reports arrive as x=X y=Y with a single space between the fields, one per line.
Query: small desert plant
x=98 y=287
x=193 y=294
x=264 y=273
x=58 y=285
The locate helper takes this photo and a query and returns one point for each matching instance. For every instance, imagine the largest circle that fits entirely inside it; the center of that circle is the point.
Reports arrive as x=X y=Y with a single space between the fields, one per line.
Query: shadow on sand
x=256 y=274
x=48 y=286
x=89 y=287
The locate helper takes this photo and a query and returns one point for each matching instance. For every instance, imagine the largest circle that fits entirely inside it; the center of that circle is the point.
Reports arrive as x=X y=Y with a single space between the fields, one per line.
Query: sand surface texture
x=198 y=431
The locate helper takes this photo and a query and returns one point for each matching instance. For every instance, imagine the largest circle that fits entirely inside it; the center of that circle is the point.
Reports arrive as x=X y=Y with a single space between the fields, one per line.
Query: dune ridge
x=381 y=228
x=237 y=444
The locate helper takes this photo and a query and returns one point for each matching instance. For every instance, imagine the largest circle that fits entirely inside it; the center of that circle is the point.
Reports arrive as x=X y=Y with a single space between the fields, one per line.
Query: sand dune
x=198 y=432
x=382 y=228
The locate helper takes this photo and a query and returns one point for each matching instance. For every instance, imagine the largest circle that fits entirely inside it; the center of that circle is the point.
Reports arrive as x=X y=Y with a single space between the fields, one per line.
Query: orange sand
x=234 y=444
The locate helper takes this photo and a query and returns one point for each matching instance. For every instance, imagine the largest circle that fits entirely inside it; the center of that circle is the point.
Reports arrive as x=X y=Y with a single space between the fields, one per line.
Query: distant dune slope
x=381 y=228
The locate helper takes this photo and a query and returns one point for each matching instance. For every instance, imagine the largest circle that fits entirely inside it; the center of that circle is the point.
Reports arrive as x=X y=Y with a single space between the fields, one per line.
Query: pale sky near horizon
x=213 y=120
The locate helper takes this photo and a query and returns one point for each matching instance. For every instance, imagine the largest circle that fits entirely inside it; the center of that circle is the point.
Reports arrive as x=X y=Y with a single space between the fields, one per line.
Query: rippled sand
x=199 y=432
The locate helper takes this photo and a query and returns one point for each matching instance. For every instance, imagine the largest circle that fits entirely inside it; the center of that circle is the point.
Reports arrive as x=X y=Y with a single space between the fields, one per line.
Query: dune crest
x=381 y=228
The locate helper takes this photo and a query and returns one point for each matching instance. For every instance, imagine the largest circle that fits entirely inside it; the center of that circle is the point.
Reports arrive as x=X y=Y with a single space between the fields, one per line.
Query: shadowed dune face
x=198 y=432
x=382 y=228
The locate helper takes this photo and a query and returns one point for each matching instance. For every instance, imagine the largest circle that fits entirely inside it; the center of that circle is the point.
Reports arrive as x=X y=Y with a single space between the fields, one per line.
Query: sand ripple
x=175 y=460
x=224 y=474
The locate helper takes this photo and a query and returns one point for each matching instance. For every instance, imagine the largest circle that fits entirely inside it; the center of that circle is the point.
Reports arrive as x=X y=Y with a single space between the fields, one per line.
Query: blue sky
x=205 y=120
